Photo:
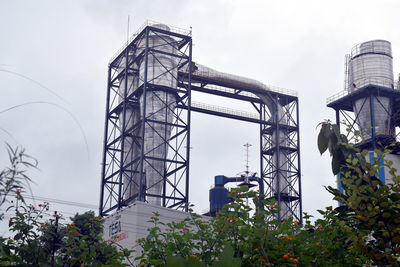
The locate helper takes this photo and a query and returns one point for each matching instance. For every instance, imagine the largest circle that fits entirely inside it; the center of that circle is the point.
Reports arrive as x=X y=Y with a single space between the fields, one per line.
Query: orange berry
x=285 y=256
x=192 y=256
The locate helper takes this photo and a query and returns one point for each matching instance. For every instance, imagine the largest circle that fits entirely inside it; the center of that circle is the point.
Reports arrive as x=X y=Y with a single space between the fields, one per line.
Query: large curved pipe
x=280 y=182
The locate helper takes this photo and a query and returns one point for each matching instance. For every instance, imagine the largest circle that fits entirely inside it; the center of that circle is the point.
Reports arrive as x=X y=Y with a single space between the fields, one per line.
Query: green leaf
x=336 y=162
x=323 y=138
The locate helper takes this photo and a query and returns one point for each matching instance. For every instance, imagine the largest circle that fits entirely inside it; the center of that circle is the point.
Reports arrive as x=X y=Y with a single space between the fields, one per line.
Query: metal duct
x=371 y=63
x=276 y=110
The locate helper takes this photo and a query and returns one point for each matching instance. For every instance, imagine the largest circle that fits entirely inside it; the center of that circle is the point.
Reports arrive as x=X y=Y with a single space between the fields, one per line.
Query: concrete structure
x=127 y=225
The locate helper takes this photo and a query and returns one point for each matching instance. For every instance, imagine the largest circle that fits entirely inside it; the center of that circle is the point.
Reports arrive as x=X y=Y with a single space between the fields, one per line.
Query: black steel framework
x=280 y=154
x=115 y=164
x=279 y=132
x=345 y=115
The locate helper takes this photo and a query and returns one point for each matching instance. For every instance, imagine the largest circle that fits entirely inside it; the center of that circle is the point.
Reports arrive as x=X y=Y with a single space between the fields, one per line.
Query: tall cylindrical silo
x=159 y=108
x=371 y=64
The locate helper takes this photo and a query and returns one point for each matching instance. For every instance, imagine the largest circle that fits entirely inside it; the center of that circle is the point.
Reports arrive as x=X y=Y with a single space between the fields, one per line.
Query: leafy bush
x=35 y=241
x=250 y=238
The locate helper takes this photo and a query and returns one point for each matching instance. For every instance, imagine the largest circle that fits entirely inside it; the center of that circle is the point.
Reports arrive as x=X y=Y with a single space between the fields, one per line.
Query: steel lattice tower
x=147 y=130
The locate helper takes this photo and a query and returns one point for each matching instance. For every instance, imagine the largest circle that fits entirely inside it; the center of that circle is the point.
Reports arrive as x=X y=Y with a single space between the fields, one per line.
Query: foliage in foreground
x=240 y=237
x=35 y=241
x=371 y=208
x=364 y=230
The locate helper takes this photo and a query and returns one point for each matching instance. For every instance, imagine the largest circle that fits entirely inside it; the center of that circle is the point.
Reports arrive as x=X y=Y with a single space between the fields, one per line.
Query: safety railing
x=388 y=83
x=149 y=23
x=225 y=110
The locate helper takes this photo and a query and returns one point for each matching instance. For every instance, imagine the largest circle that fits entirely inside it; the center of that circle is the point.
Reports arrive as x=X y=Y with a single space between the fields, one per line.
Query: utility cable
x=60 y=201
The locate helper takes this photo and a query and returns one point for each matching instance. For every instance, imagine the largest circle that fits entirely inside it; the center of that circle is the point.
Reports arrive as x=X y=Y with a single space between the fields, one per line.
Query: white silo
x=371 y=63
x=158 y=107
x=372 y=98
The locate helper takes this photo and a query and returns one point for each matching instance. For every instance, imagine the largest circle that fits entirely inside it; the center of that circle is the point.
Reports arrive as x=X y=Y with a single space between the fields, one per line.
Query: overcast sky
x=66 y=47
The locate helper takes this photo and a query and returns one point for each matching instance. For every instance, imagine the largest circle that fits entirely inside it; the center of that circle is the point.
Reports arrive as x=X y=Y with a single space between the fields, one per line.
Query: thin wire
x=60 y=201
x=60 y=107
x=37 y=83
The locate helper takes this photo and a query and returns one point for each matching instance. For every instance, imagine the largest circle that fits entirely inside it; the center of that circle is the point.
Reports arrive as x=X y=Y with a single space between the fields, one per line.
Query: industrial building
x=147 y=133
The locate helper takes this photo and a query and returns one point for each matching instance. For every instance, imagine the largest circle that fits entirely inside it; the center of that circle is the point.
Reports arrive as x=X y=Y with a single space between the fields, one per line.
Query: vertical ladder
x=346 y=72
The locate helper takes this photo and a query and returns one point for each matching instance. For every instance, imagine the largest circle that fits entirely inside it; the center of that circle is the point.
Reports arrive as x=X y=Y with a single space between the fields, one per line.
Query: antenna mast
x=247 y=145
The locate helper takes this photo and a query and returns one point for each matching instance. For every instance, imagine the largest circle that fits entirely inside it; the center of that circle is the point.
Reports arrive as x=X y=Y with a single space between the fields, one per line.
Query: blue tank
x=218 y=198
